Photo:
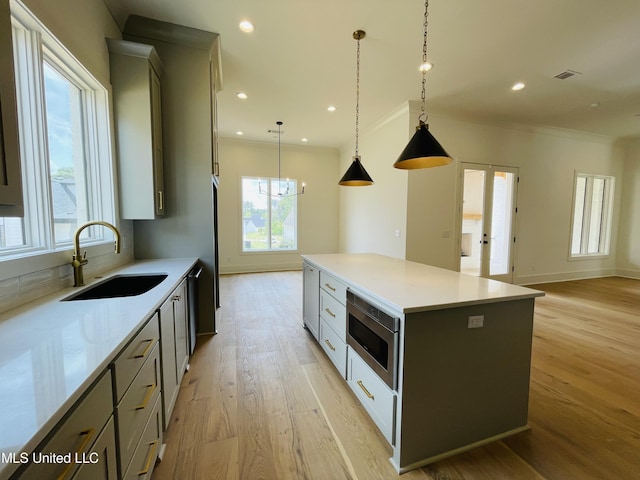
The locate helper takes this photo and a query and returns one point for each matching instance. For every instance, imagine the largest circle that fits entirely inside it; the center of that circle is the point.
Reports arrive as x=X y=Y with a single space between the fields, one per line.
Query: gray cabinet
x=311 y=298
x=11 y=204
x=77 y=435
x=174 y=343
x=135 y=79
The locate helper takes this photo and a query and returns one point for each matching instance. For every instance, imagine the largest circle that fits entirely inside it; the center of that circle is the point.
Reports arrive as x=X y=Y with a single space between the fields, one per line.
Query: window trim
x=604 y=250
x=270 y=251
x=38 y=44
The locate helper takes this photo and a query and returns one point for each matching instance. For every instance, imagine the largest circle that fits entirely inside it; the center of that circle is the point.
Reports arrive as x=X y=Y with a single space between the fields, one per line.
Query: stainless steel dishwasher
x=192 y=285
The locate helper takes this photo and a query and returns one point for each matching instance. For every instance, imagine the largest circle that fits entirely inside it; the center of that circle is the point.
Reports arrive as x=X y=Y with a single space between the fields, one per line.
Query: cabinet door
x=182 y=341
x=10 y=178
x=100 y=463
x=156 y=141
x=311 y=299
x=168 y=361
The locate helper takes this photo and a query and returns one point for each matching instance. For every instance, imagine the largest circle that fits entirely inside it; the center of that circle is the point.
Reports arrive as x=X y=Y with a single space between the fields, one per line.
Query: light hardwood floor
x=262 y=401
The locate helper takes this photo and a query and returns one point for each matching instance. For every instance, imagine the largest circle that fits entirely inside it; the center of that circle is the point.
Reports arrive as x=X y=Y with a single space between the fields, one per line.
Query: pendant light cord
x=423 y=115
x=357 y=35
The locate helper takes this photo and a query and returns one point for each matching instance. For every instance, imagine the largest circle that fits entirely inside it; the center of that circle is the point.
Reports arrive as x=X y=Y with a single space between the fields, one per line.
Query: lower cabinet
x=146 y=452
x=311 y=300
x=174 y=347
x=376 y=397
x=77 y=436
x=334 y=347
x=101 y=463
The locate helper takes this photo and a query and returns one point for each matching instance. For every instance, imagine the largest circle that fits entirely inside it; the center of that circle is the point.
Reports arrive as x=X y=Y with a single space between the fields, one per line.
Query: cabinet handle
x=151 y=388
x=152 y=453
x=330 y=312
x=364 y=389
x=152 y=342
x=176 y=298
x=330 y=346
x=88 y=435
x=328 y=285
x=160 y=200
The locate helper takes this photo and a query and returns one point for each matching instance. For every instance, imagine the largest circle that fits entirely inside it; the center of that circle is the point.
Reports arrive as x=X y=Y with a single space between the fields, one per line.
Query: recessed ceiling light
x=241 y=95
x=595 y=105
x=331 y=108
x=425 y=67
x=239 y=132
x=246 y=26
x=304 y=139
x=517 y=86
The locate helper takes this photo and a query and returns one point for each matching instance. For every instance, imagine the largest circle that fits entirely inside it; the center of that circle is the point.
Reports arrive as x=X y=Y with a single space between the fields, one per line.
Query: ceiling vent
x=567 y=74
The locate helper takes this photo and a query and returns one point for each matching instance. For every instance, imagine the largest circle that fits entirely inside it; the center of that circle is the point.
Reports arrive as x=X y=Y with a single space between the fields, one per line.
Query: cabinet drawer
x=334 y=313
x=101 y=463
x=378 y=399
x=131 y=359
x=335 y=348
x=134 y=410
x=146 y=453
x=77 y=434
x=335 y=287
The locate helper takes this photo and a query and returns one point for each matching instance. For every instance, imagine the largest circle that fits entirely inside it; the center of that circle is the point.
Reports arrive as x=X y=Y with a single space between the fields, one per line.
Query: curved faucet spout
x=79 y=260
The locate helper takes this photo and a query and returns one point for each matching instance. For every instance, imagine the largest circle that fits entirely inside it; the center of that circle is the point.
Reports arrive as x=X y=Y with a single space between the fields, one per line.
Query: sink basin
x=120 y=286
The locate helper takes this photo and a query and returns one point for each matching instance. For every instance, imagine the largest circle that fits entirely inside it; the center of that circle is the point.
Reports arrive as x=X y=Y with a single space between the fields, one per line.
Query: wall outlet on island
x=475 y=321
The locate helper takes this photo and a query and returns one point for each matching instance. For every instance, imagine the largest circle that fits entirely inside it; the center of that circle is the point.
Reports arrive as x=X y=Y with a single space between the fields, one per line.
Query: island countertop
x=410 y=287
x=51 y=351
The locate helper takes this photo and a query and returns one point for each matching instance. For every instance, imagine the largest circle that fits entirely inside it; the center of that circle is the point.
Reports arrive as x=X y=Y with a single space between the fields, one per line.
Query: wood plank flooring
x=262 y=401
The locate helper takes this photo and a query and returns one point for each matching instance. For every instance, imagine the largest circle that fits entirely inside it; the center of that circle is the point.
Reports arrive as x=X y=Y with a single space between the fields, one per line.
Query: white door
x=488 y=207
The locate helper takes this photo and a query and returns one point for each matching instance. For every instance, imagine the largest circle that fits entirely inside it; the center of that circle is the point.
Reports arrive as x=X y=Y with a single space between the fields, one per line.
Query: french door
x=487 y=224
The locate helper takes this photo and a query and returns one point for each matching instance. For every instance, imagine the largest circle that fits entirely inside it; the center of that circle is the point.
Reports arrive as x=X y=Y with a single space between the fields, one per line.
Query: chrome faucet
x=79 y=260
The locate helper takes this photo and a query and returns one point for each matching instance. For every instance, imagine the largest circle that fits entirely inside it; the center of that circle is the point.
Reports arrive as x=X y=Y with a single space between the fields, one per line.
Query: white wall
x=317 y=208
x=628 y=252
x=370 y=216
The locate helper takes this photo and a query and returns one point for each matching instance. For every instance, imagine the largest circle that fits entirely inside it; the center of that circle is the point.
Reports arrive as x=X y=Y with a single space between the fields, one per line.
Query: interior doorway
x=487 y=226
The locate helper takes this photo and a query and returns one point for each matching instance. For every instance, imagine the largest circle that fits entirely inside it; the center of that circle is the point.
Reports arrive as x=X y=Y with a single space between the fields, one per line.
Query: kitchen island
x=462 y=359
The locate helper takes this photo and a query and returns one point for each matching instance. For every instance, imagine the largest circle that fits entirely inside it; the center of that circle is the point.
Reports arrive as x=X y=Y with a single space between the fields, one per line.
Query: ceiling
x=301 y=58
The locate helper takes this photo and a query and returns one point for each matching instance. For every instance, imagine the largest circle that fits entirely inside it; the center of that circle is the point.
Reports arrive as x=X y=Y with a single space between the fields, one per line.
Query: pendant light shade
x=422 y=151
x=356 y=175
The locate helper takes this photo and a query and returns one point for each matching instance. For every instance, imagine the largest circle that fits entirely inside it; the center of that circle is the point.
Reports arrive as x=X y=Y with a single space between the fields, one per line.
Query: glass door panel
x=488 y=213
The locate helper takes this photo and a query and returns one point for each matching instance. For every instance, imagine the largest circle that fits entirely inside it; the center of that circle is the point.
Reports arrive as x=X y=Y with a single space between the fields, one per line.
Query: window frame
x=606 y=216
x=268 y=194
x=34 y=44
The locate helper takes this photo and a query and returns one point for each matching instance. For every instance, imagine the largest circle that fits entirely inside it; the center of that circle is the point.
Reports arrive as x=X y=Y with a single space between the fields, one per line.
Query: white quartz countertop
x=409 y=287
x=51 y=351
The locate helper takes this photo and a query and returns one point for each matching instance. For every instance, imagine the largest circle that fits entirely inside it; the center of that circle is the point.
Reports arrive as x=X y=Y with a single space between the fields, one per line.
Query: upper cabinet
x=135 y=78
x=11 y=203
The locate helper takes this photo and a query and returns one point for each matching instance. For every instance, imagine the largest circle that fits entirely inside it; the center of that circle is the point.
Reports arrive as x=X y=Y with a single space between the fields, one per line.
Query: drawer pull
x=330 y=346
x=364 y=389
x=330 y=312
x=152 y=342
x=150 y=389
x=328 y=285
x=176 y=298
x=152 y=453
x=88 y=435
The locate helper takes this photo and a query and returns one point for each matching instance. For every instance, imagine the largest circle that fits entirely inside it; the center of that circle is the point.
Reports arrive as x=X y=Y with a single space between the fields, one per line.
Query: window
x=269 y=216
x=64 y=144
x=593 y=202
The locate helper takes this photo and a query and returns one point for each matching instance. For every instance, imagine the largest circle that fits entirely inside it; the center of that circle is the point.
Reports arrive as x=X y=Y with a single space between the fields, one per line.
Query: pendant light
x=356 y=175
x=280 y=193
x=423 y=150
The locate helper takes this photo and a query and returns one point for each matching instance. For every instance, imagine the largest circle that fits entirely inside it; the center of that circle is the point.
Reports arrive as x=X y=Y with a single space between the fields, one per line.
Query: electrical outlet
x=475 y=321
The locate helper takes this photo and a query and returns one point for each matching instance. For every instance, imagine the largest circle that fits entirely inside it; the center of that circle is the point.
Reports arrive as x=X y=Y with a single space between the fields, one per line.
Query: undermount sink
x=120 y=286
